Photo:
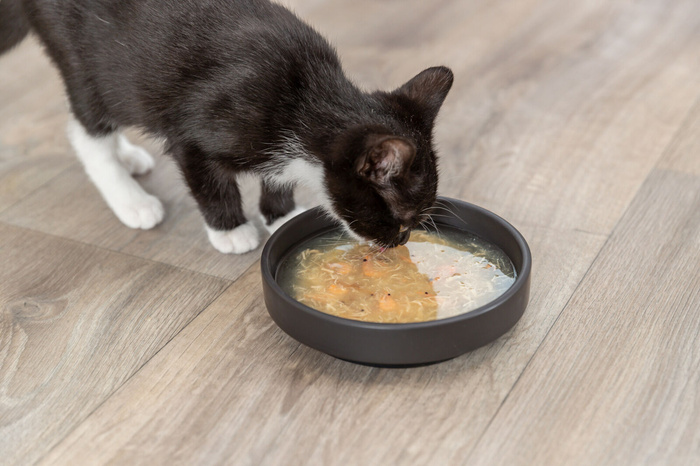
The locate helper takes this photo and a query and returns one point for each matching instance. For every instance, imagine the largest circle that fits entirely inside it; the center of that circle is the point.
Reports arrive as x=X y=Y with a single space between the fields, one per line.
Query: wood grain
x=616 y=381
x=33 y=148
x=683 y=154
x=75 y=323
x=71 y=207
x=232 y=385
x=576 y=121
x=566 y=135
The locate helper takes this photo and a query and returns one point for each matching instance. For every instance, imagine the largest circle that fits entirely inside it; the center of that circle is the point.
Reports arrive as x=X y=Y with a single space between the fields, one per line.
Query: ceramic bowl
x=398 y=345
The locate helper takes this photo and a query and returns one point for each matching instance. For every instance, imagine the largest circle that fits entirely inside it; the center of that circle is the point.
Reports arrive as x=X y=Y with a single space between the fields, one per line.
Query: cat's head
x=384 y=176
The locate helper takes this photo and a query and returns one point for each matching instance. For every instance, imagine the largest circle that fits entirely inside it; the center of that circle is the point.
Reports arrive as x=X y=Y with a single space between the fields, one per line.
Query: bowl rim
x=521 y=280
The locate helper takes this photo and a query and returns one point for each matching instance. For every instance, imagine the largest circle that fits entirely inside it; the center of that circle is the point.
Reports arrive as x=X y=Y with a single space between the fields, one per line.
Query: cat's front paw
x=274 y=226
x=134 y=158
x=241 y=239
x=141 y=212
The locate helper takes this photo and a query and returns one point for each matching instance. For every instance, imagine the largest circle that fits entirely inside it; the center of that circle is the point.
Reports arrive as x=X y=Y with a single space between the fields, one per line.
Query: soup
x=431 y=277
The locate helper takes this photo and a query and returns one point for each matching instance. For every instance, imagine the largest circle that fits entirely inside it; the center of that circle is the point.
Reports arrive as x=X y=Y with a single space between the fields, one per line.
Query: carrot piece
x=337 y=289
x=369 y=269
x=387 y=303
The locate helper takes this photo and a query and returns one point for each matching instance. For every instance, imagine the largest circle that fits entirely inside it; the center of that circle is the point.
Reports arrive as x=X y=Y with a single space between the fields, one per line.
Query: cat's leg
x=277 y=205
x=216 y=191
x=134 y=158
x=95 y=138
x=127 y=199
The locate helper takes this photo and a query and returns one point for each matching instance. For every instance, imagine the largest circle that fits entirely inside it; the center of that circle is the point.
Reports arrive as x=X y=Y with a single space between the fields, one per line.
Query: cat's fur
x=235 y=86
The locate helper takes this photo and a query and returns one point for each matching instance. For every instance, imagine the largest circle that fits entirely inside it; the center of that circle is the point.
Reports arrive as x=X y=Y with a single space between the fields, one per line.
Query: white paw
x=134 y=158
x=241 y=239
x=274 y=226
x=142 y=212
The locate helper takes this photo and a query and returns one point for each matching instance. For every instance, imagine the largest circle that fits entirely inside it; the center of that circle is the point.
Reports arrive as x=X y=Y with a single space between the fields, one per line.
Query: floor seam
x=544 y=338
x=138 y=370
x=685 y=123
x=125 y=254
x=70 y=166
x=653 y=169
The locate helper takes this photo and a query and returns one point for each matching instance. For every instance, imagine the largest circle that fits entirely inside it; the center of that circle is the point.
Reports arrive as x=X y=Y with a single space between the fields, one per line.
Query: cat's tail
x=13 y=24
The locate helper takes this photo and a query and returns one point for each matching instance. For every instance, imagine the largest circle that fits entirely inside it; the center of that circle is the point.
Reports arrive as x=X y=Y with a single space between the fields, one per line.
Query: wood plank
x=559 y=111
x=684 y=152
x=70 y=206
x=616 y=381
x=33 y=148
x=32 y=195
x=75 y=323
x=34 y=151
x=27 y=75
x=566 y=141
x=232 y=385
x=466 y=35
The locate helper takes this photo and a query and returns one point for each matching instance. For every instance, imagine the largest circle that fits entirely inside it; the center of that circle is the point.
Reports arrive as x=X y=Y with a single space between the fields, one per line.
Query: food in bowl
x=434 y=276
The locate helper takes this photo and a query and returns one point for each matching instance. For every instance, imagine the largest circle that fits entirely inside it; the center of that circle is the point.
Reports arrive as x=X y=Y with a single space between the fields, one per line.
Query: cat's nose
x=403 y=237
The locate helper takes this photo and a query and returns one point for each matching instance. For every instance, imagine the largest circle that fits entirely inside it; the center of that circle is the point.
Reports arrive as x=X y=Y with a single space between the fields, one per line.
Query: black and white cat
x=235 y=86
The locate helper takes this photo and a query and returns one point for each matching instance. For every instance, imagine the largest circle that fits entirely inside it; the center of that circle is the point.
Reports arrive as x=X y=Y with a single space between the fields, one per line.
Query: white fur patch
x=274 y=226
x=134 y=158
x=133 y=206
x=301 y=171
x=241 y=239
x=294 y=165
x=298 y=171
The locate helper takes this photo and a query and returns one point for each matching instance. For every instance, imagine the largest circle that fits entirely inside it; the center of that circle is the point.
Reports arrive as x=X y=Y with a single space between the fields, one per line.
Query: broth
x=431 y=277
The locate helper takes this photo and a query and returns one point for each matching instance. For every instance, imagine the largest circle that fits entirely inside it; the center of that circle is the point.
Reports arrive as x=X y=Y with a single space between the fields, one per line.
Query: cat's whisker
x=437 y=230
x=424 y=224
x=428 y=223
x=451 y=215
x=442 y=207
x=443 y=214
x=446 y=209
x=425 y=211
x=436 y=214
x=450 y=203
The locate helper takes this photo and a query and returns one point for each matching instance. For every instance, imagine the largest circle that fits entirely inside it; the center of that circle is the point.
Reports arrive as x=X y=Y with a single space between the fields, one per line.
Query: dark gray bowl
x=399 y=344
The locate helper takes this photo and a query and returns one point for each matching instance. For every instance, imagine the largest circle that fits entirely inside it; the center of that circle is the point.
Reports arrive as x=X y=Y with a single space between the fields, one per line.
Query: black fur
x=13 y=24
x=226 y=83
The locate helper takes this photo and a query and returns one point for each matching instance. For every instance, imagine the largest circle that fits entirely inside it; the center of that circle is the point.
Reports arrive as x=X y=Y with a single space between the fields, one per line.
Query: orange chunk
x=368 y=268
x=387 y=303
x=337 y=289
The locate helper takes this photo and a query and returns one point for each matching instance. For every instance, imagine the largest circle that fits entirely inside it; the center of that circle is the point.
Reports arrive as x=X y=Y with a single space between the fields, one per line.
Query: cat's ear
x=385 y=157
x=429 y=89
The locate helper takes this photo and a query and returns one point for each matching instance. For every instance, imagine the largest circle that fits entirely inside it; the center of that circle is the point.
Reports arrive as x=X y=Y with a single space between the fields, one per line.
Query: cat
x=236 y=86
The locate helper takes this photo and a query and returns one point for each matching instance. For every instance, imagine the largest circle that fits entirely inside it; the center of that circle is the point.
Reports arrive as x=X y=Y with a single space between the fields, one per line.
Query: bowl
x=399 y=345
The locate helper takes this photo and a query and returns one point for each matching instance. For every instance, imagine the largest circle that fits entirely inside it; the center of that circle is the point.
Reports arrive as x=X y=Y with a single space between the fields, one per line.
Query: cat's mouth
x=398 y=240
x=403 y=236
x=383 y=241
x=382 y=244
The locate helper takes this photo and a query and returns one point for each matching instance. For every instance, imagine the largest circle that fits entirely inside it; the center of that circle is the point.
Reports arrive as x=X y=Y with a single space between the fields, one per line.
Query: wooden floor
x=578 y=121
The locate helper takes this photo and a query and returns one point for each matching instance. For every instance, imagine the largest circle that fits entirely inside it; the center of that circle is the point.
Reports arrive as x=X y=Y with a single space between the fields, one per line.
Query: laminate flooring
x=579 y=122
